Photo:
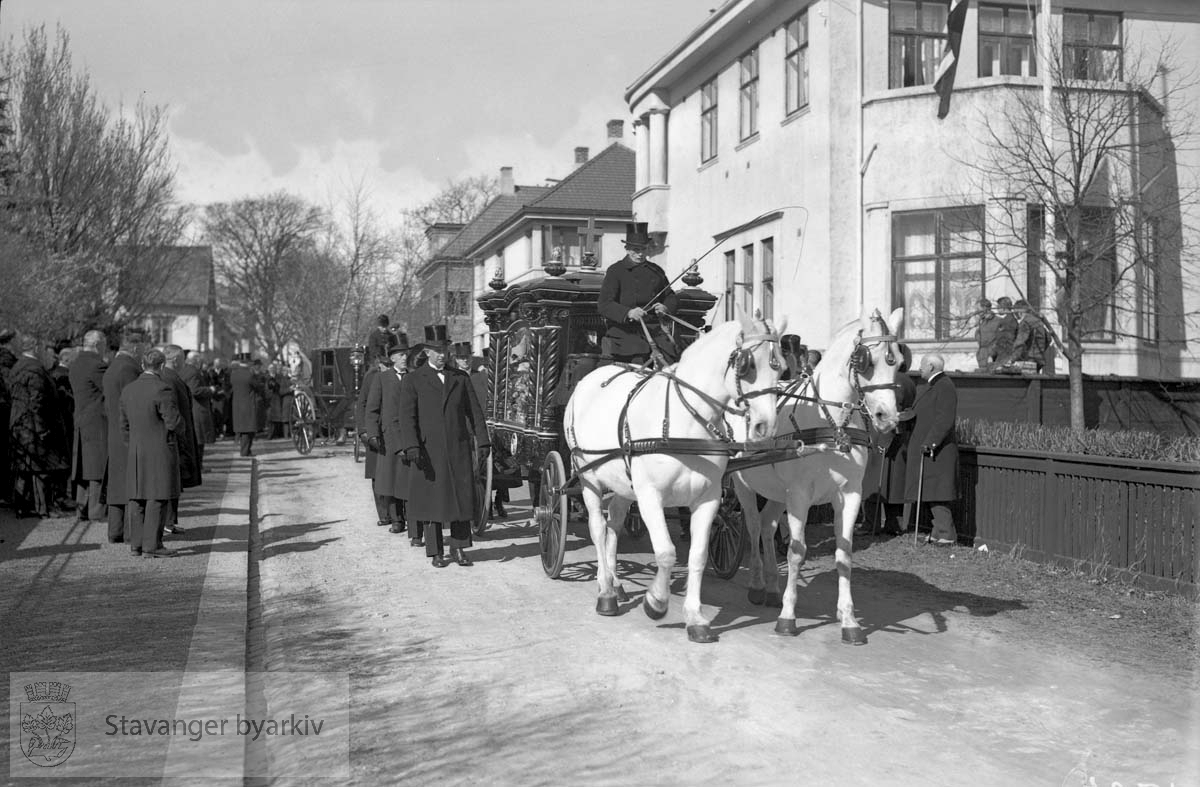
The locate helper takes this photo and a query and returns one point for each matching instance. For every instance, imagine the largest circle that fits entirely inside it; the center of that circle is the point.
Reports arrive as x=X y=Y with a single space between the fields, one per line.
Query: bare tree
x=86 y=185
x=1090 y=223
x=363 y=248
x=258 y=245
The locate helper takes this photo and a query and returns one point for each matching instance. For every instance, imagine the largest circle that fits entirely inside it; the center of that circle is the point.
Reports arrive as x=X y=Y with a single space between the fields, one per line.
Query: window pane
x=1020 y=21
x=793 y=34
x=989 y=57
x=991 y=20
x=1106 y=30
x=897 y=65
x=960 y=292
x=914 y=233
x=1104 y=64
x=1019 y=59
x=962 y=232
x=768 y=259
x=904 y=15
x=918 y=295
x=931 y=53
x=1075 y=28
x=933 y=17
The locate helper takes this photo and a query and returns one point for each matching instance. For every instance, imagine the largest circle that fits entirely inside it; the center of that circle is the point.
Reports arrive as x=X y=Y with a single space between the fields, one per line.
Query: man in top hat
x=382 y=419
x=122 y=370
x=185 y=448
x=439 y=421
x=636 y=289
x=245 y=388
x=985 y=335
x=150 y=424
x=367 y=423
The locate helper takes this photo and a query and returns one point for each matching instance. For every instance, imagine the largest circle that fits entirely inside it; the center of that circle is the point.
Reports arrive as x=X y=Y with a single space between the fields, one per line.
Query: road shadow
x=273 y=538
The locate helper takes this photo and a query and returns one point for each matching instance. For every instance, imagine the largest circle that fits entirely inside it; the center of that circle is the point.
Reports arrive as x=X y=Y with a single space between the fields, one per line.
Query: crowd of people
x=1012 y=334
x=116 y=433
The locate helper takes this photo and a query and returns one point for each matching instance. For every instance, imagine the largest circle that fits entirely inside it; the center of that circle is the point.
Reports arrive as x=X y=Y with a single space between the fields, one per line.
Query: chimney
x=616 y=130
x=581 y=156
x=506 y=181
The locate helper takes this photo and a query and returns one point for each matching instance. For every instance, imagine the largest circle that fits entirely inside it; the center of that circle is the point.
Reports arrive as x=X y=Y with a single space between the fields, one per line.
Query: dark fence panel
x=1114 y=516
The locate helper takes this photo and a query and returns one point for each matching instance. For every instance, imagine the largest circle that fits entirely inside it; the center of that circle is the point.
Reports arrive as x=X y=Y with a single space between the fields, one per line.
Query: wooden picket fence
x=1114 y=517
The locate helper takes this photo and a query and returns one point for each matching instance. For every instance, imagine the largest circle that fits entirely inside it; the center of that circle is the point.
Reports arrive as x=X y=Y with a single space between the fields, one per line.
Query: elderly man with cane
x=933 y=451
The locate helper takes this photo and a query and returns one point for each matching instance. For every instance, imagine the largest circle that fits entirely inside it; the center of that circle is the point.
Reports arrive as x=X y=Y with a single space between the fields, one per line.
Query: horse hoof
x=622 y=596
x=756 y=595
x=652 y=612
x=774 y=600
x=701 y=634
x=786 y=627
x=607 y=606
x=854 y=636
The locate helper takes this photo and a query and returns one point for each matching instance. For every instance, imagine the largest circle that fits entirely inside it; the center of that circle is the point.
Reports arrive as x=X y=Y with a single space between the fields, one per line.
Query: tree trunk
x=1075 y=372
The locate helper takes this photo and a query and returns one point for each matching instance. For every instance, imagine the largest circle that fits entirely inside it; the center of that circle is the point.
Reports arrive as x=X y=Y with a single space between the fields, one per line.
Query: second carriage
x=545 y=336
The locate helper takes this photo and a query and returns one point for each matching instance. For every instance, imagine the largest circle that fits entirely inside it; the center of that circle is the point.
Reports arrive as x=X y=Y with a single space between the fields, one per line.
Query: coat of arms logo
x=47 y=723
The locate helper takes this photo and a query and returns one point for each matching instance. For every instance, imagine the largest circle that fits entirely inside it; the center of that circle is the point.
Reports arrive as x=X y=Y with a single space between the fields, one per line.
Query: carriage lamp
x=589 y=261
x=497 y=282
x=357 y=356
x=555 y=265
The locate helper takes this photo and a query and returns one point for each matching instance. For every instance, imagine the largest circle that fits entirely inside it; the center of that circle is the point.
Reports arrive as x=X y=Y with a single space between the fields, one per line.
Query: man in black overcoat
x=933 y=441
x=39 y=447
x=89 y=458
x=380 y=459
x=440 y=424
x=123 y=369
x=187 y=446
x=889 y=462
x=150 y=422
x=245 y=391
x=636 y=288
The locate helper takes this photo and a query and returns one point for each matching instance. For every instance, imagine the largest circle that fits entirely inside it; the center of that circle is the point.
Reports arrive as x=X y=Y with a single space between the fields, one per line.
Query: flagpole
x=862 y=274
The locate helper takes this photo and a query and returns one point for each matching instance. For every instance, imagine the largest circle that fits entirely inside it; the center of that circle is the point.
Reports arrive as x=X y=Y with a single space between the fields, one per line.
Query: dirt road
x=495 y=674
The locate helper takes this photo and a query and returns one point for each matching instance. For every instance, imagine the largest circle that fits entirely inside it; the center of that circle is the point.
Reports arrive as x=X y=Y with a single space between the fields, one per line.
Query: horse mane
x=701 y=345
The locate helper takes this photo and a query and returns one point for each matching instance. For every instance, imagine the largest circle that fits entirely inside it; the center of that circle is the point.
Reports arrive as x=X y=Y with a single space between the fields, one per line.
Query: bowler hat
x=637 y=235
x=984 y=303
x=436 y=338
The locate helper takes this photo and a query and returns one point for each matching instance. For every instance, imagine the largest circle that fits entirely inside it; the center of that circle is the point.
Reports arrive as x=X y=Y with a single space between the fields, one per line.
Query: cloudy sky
x=309 y=94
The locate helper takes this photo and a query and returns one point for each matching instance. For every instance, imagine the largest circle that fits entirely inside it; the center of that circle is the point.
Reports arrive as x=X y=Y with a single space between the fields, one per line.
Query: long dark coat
x=89 y=459
x=628 y=284
x=122 y=370
x=895 y=456
x=371 y=378
x=392 y=475
x=185 y=446
x=245 y=389
x=201 y=388
x=37 y=441
x=936 y=408
x=150 y=423
x=441 y=420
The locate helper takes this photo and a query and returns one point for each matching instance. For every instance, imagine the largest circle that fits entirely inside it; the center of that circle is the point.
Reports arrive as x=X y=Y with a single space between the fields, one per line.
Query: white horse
x=855 y=380
x=731 y=371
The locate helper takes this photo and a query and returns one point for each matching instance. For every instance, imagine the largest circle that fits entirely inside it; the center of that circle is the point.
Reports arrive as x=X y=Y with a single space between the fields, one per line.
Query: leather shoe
x=174 y=530
x=500 y=512
x=461 y=558
x=382 y=523
x=440 y=561
x=397 y=527
x=135 y=551
x=158 y=553
x=418 y=542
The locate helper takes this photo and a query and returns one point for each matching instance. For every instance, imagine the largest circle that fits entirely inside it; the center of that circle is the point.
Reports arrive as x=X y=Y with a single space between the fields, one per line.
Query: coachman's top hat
x=436 y=338
x=637 y=235
x=397 y=344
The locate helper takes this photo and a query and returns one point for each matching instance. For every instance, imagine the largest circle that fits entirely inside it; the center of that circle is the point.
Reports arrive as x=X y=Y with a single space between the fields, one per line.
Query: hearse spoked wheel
x=550 y=515
x=483 y=494
x=727 y=538
x=304 y=418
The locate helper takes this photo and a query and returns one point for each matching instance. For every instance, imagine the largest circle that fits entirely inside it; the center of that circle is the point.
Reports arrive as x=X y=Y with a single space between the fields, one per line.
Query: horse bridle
x=861 y=354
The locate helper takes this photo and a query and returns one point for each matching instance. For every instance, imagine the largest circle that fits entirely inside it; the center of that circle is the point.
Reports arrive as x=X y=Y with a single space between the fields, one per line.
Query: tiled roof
x=172 y=275
x=496 y=213
x=603 y=186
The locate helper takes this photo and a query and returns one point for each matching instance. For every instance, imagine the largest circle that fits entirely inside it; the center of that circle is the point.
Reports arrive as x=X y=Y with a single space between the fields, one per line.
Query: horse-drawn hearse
x=324 y=391
x=737 y=415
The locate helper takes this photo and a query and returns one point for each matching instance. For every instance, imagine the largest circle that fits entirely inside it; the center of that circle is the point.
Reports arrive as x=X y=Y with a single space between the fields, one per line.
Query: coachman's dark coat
x=245 y=388
x=442 y=420
x=189 y=452
x=38 y=444
x=936 y=408
x=628 y=284
x=151 y=425
x=122 y=370
x=89 y=459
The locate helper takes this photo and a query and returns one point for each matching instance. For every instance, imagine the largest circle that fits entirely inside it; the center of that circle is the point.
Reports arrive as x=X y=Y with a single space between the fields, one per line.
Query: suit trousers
x=246 y=440
x=460 y=537
x=147 y=518
x=941 y=515
x=118 y=524
x=89 y=500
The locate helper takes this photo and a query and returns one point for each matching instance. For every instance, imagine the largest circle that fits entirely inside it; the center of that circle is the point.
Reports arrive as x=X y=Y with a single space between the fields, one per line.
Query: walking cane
x=920 y=485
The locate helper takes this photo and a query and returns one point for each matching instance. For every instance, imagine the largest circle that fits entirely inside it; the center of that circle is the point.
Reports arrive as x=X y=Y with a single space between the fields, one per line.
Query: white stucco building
x=794 y=147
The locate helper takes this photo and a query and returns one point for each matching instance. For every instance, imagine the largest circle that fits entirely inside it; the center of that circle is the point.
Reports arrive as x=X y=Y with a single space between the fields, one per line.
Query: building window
x=748 y=94
x=708 y=120
x=745 y=285
x=1148 y=294
x=1035 y=246
x=1092 y=46
x=730 y=277
x=1006 y=41
x=795 y=64
x=566 y=242
x=937 y=261
x=1089 y=237
x=918 y=35
x=458 y=303
x=159 y=329
x=768 y=278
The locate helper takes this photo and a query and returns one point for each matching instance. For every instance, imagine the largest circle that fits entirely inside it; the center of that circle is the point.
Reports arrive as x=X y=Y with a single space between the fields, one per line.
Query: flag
x=943 y=83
